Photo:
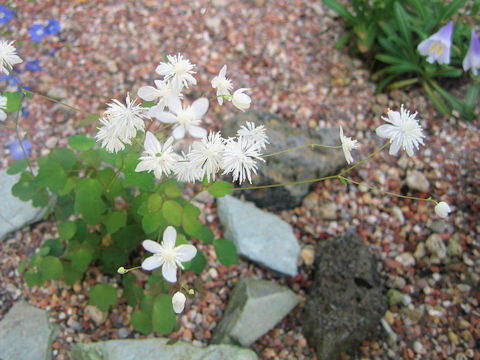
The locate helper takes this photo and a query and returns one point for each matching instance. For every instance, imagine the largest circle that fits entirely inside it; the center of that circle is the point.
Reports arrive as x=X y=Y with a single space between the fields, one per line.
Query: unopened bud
x=121 y=270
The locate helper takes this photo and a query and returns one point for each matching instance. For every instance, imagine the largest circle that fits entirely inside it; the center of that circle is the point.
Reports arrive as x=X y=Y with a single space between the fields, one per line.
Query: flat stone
x=259 y=236
x=291 y=166
x=156 y=349
x=15 y=213
x=254 y=308
x=26 y=333
x=417 y=180
x=345 y=301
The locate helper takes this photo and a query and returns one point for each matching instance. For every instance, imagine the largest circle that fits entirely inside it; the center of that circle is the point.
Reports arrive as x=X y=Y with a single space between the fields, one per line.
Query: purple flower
x=37 y=32
x=52 y=28
x=5 y=15
x=25 y=112
x=437 y=46
x=16 y=151
x=472 y=59
x=10 y=79
x=33 y=65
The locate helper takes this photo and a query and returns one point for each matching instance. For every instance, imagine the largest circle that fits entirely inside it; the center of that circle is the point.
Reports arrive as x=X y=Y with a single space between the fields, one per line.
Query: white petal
x=185 y=252
x=169 y=271
x=223 y=71
x=200 y=107
x=169 y=237
x=148 y=93
x=178 y=302
x=151 y=143
x=197 y=131
x=152 y=262
x=385 y=131
x=167 y=143
x=174 y=104
x=166 y=117
x=3 y=115
x=424 y=47
x=179 y=132
x=152 y=246
x=155 y=110
x=395 y=147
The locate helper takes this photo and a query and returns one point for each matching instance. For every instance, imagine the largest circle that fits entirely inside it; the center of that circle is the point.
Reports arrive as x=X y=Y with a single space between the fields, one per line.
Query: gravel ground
x=284 y=51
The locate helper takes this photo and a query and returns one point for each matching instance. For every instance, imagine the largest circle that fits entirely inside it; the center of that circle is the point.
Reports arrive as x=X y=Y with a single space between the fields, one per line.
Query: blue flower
x=437 y=46
x=52 y=28
x=25 y=112
x=16 y=151
x=12 y=80
x=33 y=65
x=5 y=15
x=37 y=32
x=472 y=59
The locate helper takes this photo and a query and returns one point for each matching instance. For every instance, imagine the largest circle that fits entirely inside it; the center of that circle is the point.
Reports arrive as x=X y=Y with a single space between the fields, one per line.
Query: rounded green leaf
x=115 y=221
x=67 y=229
x=32 y=278
x=154 y=203
x=103 y=296
x=14 y=101
x=172 y=212
x=81 y=259
x=64 y=157
x=81 y=142
x=226 y=252
x=221 y=188
x=51 y=268
x=163 y=316
x=51 y=175
x=151 y=222
x=17 y=166
x=198 y=263
x=172 y=191
x=142 y=322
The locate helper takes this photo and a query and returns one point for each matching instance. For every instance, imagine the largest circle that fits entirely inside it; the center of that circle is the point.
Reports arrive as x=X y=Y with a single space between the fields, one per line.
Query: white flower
x=472 y=59
x=222 y=84
x=8 y=56
x=178 y=302
x=437 y=47
x=167 y=255
x=239 y=159
x=257 y=134
x=127 y=119
x=186 y=119
x=347 y=145
x=240 y=100
x=405 y=131
x=3 y=106
x=186 y=171
x=107 y=135
x=157 y=158
x=442 y=209
x=179 y=70
x=163 y=92
x=207 y=154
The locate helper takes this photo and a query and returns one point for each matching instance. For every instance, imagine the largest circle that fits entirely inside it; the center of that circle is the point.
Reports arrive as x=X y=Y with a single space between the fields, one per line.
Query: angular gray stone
x=259 y=236
x=156 y=349
x=345 y=301
x=15 y=213
x=254 y=308
x=302 y=164
x=26 y=334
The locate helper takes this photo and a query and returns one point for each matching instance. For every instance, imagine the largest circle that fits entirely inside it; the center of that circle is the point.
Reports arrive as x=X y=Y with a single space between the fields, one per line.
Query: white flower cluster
x=209 y=154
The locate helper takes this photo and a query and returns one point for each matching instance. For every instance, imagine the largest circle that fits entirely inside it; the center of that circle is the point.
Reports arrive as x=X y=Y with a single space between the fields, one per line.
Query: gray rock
x=345 y=301
x=254 y=308
x=156 y=349
x=417 y=181
x=26 y=333
x=302 y=164
x=259 y=236
x=15 y=213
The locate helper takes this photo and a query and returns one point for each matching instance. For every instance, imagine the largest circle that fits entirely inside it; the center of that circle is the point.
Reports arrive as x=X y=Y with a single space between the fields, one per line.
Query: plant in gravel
x=123 y=189
x=394 y=36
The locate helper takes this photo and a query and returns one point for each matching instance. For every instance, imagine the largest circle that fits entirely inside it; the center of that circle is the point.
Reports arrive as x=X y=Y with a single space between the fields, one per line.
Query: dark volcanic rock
x=345 y=301
x=302 y=164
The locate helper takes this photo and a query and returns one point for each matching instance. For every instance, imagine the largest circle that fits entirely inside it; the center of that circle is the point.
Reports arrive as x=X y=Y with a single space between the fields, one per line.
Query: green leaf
x=67 y=229
x=25 y=189
x=69 y=186
x=437 y=101
x=342 y=179
x=89 y=119
x=33 y=278
x=198 y=263
x=172 y=212
x=91 y=157
x=220 y=188
x=152 y=221
x=17 y=166
x=340 y=10
x=65 y=157
x=154 y=203
x=226 y=251
x=111 y=183
x=193 y=227
x=402 y=22
x=142 y=180
x=71 y=275
x=451 y=9
x=163 y=316
x=81 y=259
x=51 y=175
x=64 y=207
x=81 y=142
x=132 y=291
x=103 y=296
x=142 y=322
x=129 y=237
x=51 y=268
x=22 y=266
x=14 y=101
x=114 y=221
x=88 y=200
x=28 y=94
x=55 y=246
x=111 y=259
x=172 y=191
x=147 y=104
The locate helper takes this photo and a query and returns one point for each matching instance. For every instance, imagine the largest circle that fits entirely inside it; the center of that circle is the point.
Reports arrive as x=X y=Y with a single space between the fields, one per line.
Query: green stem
x=301 y=147
x=364 y=160
x=55 y=101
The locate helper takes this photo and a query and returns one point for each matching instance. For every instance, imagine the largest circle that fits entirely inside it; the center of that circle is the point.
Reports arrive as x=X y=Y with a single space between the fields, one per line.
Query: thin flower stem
x=364 y=160
x=287 y=184
x=387 y=192
x=55 y=101
x=302 y=147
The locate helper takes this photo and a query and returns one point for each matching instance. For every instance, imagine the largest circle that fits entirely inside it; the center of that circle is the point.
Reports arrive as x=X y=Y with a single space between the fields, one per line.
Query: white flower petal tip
x=347 y=146
x=222 y=84
x=404 y=132
x=437 y=47
x=442 y=209
x=166 y=255
x=178 y=302
x=8 y=56
x=240 y=100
